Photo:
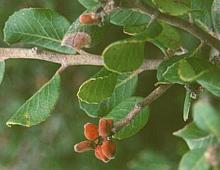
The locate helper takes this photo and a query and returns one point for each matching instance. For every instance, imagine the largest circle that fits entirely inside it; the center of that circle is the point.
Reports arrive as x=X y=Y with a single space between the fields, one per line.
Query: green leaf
x=168 y=38
x=206 y=117
x=98 y=88
x=121 y=111
x=95 y=110
x=124 y=56
x=192 y=68
x=90 y=4
x=134 y=30
x=195 y=137
x=195 y=160
x=211 y=81
x=129 y=17
x=186 y=70
x=216 y=15
x=187 y=105
x=124 y=88
x=201 y=12
x=95 y=32
x=189 y=42
x=2 y=70
x=171 y=74
x=37 y=109
x=39 y=27
x=128 y=55
x=144 y=32
x=173 y=7
x=152 y=30
x=164 y=66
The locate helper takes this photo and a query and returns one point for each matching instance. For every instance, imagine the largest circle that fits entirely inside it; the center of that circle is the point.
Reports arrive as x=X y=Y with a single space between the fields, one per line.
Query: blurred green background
x=49 y=146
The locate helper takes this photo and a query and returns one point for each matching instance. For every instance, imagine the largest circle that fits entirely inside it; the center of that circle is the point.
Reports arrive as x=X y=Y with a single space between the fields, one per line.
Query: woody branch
x=206 y=36
x=64 y=59
x=137 y=108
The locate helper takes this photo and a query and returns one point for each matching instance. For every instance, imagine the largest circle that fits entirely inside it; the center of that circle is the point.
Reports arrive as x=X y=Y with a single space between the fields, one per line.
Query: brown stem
x=182 y=24
x=137 y=108
x=65 y=60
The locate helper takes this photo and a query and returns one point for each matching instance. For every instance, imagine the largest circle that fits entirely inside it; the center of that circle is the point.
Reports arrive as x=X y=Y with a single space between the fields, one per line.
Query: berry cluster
x=99 y=139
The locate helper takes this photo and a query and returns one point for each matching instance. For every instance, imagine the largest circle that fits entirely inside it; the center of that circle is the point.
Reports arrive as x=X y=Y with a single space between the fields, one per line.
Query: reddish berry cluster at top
x=99 y=139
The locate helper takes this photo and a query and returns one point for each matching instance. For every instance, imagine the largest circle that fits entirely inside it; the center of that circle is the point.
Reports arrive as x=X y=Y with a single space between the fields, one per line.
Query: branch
x=65 y=60
x=182 y=24
x=137 y=108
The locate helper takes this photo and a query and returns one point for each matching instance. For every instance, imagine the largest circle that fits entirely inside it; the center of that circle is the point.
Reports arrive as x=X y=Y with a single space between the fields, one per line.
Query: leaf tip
x=176 y=133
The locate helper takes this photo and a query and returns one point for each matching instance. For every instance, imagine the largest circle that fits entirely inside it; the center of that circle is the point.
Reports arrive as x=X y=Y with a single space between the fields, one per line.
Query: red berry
x=84 y=146
x=108 y=148
x=89 y=18
x=91 y=131
x=99 y=154
x=105 y=127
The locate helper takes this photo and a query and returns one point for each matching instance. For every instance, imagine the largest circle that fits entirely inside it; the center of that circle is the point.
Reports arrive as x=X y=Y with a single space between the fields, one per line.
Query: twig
x=137 y=108
x=64 y=60
x=182 y=24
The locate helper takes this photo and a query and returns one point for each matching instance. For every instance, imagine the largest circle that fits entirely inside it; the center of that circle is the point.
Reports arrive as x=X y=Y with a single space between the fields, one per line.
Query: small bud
x=99 y=154
x=91 y=131
x=109 y=149
x=89 y=18
x=77 y=40
x=105 y=127
x=84 y=146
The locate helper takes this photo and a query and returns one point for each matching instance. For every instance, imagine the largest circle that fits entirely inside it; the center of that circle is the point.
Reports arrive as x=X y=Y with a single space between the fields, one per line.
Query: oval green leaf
x=37 y=109
x=39 y=27
x=124 y=56
x=98 y=88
